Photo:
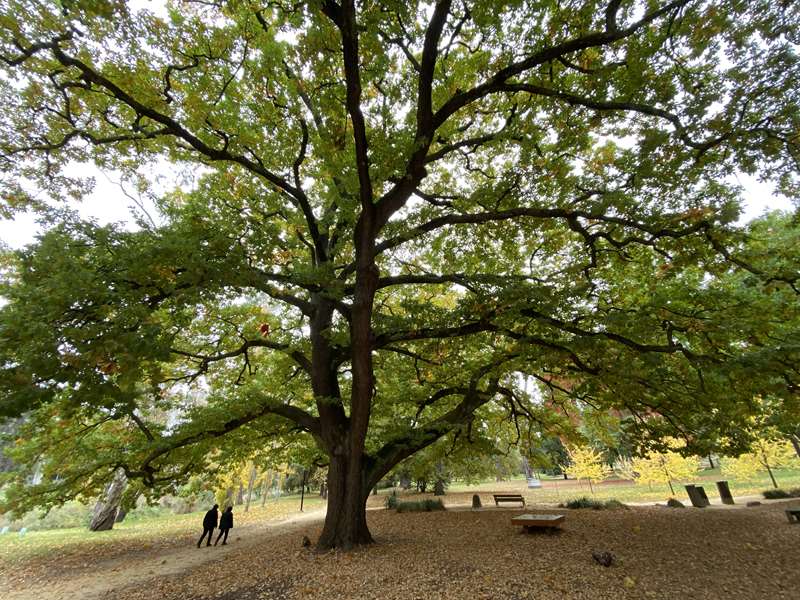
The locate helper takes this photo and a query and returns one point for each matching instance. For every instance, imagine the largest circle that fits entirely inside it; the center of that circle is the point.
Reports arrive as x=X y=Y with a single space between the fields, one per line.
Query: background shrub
x=779 y=493
x=584 y=502
x=420 y=506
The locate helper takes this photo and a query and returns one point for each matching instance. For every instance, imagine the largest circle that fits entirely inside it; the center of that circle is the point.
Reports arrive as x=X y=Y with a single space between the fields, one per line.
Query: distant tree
x=666 y=466
x=586 y=463
x=549 y=454
x=766 y=455
x=251 y=480
x=105 y=510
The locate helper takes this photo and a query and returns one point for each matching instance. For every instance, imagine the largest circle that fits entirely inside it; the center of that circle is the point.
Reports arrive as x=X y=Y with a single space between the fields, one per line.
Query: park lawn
x=148 y=532
x=139 y=534
x=555 y=491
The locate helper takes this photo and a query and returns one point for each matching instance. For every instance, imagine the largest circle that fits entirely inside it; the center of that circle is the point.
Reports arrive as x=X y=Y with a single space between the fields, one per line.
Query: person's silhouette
x=225 y=525
x=209 y=523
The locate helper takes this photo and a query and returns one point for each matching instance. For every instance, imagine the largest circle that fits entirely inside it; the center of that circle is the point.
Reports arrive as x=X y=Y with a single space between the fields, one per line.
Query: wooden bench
x=531 y=522
x=498 y=498
x=793 y=514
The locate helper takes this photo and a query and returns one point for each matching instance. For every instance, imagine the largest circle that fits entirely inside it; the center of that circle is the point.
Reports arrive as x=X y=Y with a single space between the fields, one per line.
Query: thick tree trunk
x=105 y=511
x=346 y=517
x=345 y=436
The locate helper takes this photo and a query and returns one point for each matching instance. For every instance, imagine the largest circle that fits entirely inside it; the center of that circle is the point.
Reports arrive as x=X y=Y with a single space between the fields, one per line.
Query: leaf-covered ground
x=134 y=536
x=745 y=553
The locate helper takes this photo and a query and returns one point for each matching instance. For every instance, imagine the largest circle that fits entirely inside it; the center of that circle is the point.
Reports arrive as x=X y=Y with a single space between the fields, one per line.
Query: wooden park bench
x=793 y=514
x=498 y=498
x=531 y=522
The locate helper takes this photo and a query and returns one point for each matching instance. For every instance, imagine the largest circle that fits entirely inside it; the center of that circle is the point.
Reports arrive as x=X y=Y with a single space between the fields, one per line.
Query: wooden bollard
x=725 y=492
x=695 y=497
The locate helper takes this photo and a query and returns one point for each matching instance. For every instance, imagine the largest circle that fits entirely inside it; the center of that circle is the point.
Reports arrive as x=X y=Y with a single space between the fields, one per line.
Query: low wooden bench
x=531 y=522
x=498 y=498
x=793 y=514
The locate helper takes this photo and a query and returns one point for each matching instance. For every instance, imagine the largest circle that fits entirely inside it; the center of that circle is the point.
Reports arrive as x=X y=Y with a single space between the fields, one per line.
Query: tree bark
x=346 y=518
x=240 y=494
x=266 y=487
x=250 y=483
x=526 y=467
x=771 y=475
x=105 y=511
x=796 y=443
x=766 y=464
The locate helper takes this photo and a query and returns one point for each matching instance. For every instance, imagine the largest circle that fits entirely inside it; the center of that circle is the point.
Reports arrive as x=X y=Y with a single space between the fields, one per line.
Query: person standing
x=225 y=525
x=209 y=523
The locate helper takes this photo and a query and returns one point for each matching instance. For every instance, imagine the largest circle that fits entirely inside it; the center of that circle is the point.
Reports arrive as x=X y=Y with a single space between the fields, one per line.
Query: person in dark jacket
x=225 y=525
x=209 y=523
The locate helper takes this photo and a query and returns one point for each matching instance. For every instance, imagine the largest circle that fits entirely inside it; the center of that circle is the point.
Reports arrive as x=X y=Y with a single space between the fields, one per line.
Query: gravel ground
x=661 y=553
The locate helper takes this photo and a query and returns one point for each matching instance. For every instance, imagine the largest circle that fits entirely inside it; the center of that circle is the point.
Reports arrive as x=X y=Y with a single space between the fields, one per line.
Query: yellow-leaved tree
x=766 y=454
x=586 y=463
x=665 y=467
x=227 y=482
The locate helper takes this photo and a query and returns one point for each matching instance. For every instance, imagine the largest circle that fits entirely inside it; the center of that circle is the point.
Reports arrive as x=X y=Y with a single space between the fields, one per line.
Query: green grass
x=140 y=533
x=558 y=490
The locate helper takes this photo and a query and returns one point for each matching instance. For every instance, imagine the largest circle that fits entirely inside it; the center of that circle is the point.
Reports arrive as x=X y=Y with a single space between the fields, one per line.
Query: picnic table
x=541 y=521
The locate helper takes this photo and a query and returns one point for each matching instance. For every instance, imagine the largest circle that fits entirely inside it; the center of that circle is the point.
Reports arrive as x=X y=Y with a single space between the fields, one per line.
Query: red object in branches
x=264 y=329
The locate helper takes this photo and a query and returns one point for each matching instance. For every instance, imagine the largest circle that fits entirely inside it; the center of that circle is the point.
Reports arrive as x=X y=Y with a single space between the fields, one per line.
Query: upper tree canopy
x=398 y=207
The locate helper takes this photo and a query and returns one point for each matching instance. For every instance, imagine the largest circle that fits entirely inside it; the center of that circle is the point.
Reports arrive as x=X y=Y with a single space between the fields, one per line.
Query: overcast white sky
x=109 y=204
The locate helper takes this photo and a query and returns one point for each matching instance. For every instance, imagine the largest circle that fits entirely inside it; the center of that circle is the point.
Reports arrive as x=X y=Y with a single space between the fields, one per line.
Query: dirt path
x=108 y=576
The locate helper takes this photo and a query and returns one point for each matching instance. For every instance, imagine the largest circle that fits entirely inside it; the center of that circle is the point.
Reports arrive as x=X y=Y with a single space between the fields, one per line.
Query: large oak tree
x=399 y=208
